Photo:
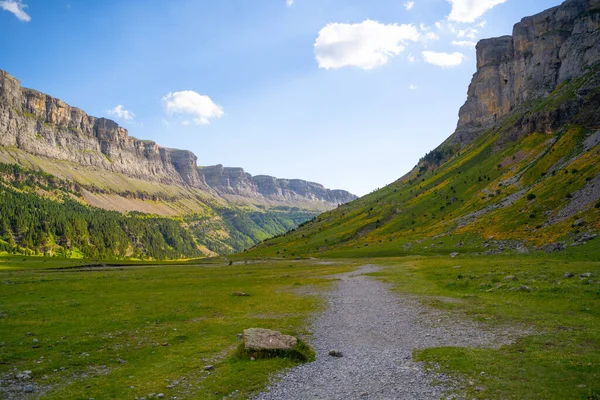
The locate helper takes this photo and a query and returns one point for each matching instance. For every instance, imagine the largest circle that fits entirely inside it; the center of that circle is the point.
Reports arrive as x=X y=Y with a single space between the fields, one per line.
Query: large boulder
x=266 y=339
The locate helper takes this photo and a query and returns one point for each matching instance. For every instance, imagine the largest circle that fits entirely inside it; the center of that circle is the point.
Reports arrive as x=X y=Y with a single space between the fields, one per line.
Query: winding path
x=376 y=331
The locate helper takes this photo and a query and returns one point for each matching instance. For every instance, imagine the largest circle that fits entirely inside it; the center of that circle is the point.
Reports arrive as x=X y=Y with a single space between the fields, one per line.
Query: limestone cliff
x=544 y=51
x=236 y=181
x=47 y=127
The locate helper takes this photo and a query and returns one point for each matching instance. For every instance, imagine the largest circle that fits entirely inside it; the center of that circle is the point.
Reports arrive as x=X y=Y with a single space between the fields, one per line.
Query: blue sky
x=347 y=93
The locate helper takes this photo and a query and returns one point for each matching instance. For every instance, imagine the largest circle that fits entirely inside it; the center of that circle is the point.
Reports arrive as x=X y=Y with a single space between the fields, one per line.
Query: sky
x=346 y=93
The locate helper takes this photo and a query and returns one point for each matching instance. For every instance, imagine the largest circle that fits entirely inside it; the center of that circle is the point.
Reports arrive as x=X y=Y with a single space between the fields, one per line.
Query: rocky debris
x=335 y=353
x=587 y=195
x=578 y=223
x=522 y=249
x=554 y=247
x=568 y=275
x=586 y=275
x=256 y=339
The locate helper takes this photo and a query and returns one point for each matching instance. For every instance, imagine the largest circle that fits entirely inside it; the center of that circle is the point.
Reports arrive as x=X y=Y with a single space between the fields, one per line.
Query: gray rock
x=454 y=254
x=586 y=275
x=568 y=275
x=29 y=389
x=335 y=353
x=511 y=278
x=524 y=288
x=554 y=247
x=209 y=367
x=544 y=50
x=267 y=339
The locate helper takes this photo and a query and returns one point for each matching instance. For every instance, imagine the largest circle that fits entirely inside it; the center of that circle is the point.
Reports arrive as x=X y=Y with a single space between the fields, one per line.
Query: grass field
x=560 y=359
x=127 y=332
x=132 y=331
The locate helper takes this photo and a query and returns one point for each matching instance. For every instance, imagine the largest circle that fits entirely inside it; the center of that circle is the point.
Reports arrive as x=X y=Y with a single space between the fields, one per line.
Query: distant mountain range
x=96 y=162
x=521 y=172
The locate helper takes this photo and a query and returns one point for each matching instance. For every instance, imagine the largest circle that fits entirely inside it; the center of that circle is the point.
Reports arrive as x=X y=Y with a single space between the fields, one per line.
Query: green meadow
x=127 y=332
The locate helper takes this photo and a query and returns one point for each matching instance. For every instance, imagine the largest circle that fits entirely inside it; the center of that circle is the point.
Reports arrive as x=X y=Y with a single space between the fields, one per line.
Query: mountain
x=51 y=150
x=521 y=171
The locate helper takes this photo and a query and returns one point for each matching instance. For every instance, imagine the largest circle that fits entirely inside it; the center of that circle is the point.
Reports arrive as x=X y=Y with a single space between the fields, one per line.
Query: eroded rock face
x=235 y=181
x=48 y=127
x=256 y=339
x=545 y=50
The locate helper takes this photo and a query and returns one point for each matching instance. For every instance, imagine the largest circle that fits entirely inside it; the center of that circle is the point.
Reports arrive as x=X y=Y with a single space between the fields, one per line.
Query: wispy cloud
x=444 y=60
x=17 y=8
x=471 y=10
x=409 y=5
x=121 y=113
x=464 y=43
x=366 y=45
x=190 y=103
x=289 y=3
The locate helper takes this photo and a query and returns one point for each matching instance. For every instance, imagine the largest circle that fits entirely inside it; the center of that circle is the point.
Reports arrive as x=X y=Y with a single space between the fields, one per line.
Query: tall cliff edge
x=44 y=126
x=545 y=50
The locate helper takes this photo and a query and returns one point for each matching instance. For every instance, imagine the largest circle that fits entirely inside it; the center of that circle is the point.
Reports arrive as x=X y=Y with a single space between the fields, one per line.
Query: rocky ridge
x=544 y=51
x=44 y=126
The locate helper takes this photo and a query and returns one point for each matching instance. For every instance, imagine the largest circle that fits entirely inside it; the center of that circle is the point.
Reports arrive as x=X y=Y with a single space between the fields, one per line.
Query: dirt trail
x=376 y=331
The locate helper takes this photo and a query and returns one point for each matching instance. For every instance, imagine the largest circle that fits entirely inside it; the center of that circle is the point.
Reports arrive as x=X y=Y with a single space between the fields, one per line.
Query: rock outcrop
x=47 y=127
x=235 y=181
x=544 y=51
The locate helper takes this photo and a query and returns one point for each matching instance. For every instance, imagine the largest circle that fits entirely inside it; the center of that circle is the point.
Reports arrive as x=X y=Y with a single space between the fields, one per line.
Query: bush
x=531 y=196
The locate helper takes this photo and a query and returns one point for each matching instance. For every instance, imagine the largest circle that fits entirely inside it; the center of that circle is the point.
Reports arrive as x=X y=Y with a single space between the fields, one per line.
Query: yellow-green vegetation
x=44 y=214
x=505 y=190
x=556 y=359
x=126 y=332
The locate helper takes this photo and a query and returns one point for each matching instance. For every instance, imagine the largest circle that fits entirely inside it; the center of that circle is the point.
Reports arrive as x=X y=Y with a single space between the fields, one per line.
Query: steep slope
x=520 y=172
x=95 y=162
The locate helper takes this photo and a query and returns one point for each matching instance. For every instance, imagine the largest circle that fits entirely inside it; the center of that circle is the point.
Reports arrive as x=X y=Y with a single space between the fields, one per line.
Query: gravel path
x=376 y=332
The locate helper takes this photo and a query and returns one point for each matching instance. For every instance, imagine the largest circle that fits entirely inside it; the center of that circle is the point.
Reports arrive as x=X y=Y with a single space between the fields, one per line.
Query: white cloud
x=411 y=58
x=121 y=113
x=366 y=45
x=444 y=60
x=471 y=10
x=409 y=5
x=289 y=3
x=17 y=8
x=431 y=36
x=470 y=33
x=412 y=87
x=464 y=43
x=189 y=102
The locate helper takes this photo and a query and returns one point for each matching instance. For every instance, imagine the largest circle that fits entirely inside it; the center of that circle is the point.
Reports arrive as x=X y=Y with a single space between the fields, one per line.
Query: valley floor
x=519 y=326
x=376 y=332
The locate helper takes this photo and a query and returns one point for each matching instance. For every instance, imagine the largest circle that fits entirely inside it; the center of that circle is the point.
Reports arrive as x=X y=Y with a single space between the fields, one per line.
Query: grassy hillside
x=43 y=214
x=506 y=190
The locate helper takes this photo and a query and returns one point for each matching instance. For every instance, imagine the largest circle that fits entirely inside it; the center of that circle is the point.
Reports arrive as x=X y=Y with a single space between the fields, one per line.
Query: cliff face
x=544 y=51
x=236 y=181
x=47 y=127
